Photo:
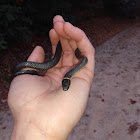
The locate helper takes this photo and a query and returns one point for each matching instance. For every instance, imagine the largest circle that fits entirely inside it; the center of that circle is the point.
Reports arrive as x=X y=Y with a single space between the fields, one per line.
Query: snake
x=50 y=64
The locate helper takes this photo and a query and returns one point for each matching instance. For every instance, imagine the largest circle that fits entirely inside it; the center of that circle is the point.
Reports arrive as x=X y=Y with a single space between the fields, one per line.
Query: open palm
x=41 y=100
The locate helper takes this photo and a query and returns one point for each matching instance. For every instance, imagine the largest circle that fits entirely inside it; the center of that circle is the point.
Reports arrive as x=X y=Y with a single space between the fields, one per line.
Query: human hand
x=40 y=107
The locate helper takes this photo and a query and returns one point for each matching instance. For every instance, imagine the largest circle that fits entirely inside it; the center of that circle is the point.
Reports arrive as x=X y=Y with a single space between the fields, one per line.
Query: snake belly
x=45 y=66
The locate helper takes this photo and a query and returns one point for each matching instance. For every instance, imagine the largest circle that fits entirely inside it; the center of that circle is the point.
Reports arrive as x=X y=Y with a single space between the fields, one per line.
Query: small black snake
x=50 y=64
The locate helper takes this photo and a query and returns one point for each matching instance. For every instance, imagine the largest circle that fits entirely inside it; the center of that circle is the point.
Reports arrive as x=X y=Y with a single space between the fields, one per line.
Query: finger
x=54 y=38
x=58 y=18
x=37 y=55
x=59 y=28
x=74 y=47
x=68 y=53
x=82 y=42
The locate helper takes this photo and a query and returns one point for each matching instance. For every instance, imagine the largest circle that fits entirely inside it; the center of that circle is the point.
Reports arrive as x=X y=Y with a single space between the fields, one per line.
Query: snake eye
x=65 y=84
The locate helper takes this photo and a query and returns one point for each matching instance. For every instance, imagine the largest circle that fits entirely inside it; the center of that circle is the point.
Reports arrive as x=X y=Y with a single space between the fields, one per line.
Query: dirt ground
x=99 y=28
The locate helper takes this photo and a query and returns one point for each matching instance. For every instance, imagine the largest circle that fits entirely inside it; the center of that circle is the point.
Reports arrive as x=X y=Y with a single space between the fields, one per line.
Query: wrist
x=26 y=130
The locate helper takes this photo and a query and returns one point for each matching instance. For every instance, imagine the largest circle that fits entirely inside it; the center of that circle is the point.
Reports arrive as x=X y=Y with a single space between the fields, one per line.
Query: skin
x=41 y=109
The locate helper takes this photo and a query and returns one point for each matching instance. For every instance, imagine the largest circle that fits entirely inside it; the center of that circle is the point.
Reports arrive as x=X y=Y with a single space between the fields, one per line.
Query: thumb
x=38 y=55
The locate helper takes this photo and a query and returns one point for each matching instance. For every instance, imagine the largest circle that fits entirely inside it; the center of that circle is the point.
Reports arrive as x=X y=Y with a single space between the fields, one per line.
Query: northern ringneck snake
x=45 y=66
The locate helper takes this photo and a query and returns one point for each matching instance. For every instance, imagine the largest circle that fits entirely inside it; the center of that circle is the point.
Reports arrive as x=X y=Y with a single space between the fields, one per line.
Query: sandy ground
x=113 y=109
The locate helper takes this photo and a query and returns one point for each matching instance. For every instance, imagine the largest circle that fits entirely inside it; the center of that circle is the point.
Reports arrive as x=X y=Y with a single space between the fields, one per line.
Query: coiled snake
x=45 y=66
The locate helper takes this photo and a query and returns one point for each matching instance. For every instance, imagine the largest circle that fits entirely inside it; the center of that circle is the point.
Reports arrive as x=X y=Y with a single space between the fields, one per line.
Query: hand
x=41 y=109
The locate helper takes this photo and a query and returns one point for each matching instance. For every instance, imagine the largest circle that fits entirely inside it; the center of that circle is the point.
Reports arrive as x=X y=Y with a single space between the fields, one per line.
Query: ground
x=113 y=107
x=99 y=28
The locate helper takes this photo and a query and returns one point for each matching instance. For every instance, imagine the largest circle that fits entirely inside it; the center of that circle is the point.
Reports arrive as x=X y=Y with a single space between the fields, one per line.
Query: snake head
x=65 y=84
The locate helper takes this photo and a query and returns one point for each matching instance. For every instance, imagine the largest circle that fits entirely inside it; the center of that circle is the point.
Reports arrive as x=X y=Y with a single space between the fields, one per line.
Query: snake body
x=42 y=66
x=71 y=73
x=50 y=64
